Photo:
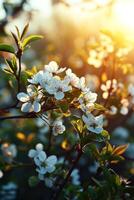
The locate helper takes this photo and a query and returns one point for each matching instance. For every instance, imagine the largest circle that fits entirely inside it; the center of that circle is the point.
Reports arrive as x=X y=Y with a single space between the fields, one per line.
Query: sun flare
x=123 y=13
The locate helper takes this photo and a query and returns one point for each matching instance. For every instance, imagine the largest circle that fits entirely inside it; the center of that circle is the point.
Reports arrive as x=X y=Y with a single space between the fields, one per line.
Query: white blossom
x=44 y=165
x=72 y=77
x=124 y=110
x=47 y=165
x=58 y=88
x=53 y=68
x=109 y=85
x=37 y=154
x=58 y=127
x=113 y=110
x=124 y=107
x=9 y=151
x=93 y=124
x=87 y=100
x=31 y=99
x=75 y=177
x=36 y=78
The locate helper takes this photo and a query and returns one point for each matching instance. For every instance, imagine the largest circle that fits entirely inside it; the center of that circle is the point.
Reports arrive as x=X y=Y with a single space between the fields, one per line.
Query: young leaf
x=7 y=71
x=120 y=149
x=7 y=48
x=24 y=31
x=78 y=125
x=30 y=39
x=18 y=32
x=15 y=38
x=12 y=64
x=9 y=63
x=105 y=134
x=99 y=107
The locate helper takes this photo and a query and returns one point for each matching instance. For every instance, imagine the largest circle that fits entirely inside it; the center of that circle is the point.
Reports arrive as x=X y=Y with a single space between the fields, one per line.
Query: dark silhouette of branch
x=26 y=116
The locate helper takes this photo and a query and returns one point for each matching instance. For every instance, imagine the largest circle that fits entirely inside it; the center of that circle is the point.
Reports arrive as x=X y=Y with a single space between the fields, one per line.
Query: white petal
x=99 y=119
x=50 y=168
x=51 y=160
x=98 y=130
x=85 y=119
x=36 y=106
x=42 y=156
x=23 y=97
x=103 y=87
x=41 y=170
x=32 y=153
x=31 y=90
x=59 y=95
x=26 y=107
x=39 y=147
x=31 y=81
x=37 y=161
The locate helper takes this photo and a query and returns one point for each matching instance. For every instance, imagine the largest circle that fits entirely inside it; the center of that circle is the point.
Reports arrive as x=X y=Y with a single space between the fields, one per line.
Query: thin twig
x=56 y=195
x=19 y=71
x=18 y=117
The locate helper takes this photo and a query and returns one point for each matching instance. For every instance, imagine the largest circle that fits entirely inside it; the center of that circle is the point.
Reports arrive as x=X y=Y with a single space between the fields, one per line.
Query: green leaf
x=7 y=71
x=12 y=64
x=18 y=32
x=15 y=38
x=78 y=125
x=9 y=63
x=7 y=48
x=105 y=134
x=24 y=31
x=30 y=39
x=99 y=107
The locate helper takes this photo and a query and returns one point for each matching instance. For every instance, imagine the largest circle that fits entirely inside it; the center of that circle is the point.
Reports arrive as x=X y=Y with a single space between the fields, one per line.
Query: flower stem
x=19 y=71
x=56 y=195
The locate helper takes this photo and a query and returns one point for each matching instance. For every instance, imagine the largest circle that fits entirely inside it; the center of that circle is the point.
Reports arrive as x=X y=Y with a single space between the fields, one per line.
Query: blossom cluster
x=9 y=152
x=102 y=49
x=44 y=165
x=55 y=82
x=125 y=96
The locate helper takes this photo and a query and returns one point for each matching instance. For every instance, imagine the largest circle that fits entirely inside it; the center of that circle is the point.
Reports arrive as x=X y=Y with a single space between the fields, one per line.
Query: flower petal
x=37 y=161
x=26 y=107
x=42 y=156
x=23 y=97
x=51 y=160
x=59 y=95
x=36 y=106
x=41 y=170
x=32 y=153
x=39 y=147
x=50 y=168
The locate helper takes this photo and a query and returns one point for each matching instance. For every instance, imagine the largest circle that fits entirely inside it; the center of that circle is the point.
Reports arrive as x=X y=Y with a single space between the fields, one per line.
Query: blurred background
x=85 y=35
